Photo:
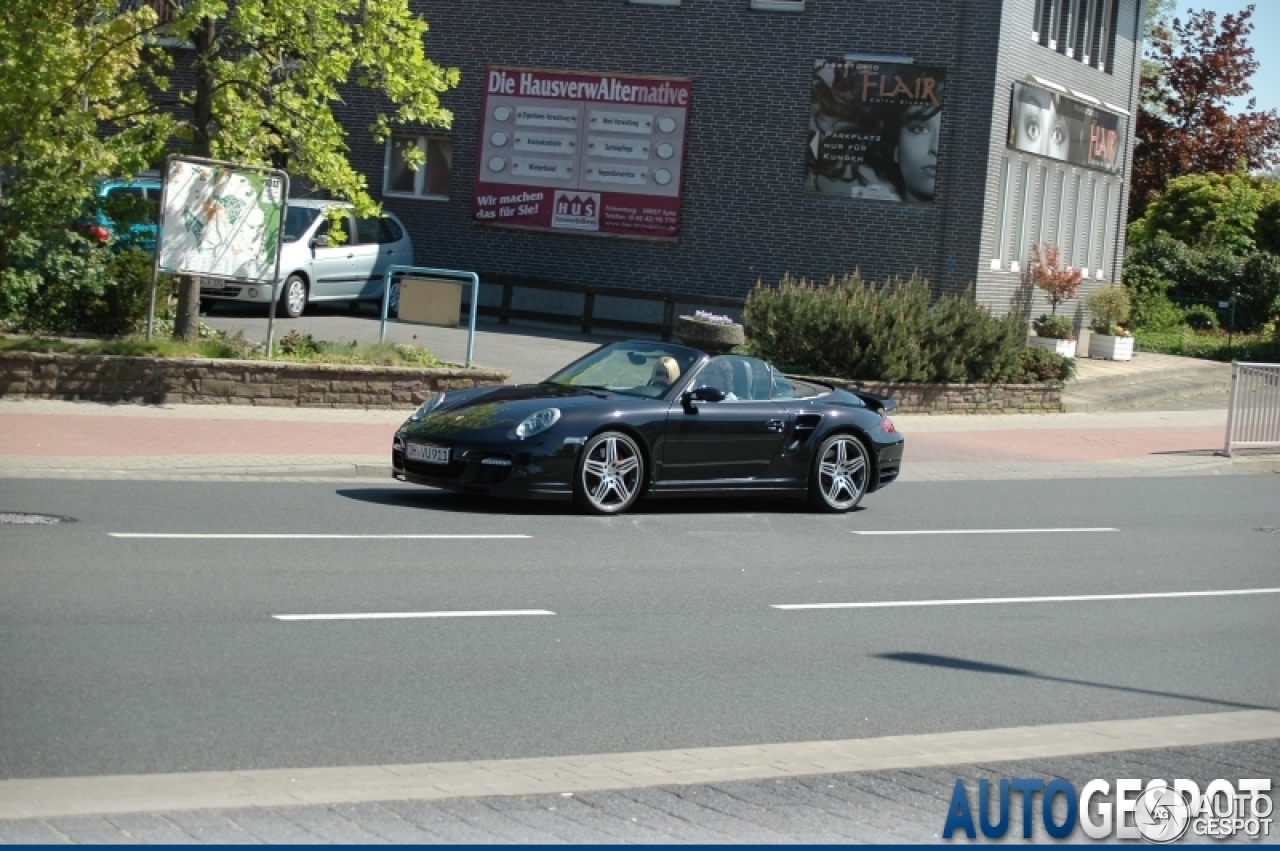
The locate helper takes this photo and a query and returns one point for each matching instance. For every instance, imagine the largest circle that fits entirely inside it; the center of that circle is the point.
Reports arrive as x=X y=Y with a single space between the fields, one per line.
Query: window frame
x=423 y=141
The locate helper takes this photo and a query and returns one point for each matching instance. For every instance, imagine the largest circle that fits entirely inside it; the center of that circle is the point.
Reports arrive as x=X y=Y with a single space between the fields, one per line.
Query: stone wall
x=960 y=398
x=109 y=378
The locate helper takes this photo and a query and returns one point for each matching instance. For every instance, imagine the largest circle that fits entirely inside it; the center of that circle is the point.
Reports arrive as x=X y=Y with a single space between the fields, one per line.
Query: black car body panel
x=468 y=440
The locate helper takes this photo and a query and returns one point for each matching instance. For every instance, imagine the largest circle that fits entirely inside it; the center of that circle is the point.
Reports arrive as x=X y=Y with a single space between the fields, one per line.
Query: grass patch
x=299 y=349
x=1211 y=345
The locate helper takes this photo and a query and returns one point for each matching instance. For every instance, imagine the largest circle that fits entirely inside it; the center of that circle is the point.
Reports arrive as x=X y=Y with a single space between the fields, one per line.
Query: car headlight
x=434 y=401
x=538 y=423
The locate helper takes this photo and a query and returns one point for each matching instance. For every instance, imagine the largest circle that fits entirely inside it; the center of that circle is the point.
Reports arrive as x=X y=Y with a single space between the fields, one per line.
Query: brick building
x=749 y=190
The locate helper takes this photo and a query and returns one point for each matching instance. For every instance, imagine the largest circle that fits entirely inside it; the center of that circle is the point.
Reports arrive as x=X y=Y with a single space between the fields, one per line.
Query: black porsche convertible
x=638 y=419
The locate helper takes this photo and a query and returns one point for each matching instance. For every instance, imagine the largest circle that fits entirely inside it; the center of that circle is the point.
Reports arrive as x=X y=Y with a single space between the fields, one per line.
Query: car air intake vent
x=805 y=424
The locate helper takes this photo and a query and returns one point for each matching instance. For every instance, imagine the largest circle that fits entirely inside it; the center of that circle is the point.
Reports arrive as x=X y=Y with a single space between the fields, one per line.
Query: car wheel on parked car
x=841 y=471
x=293 y=300
x=610 y=474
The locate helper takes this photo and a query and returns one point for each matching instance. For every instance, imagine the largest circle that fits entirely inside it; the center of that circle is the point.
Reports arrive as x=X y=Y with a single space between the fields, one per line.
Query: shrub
x=1110 y=306
x=294 y=343
x=1201 y=318
x=1053 y=327
x=1148 y=292
x=1258 y=302
x=895 y=332
x=1040 y=365
x=1047 y=274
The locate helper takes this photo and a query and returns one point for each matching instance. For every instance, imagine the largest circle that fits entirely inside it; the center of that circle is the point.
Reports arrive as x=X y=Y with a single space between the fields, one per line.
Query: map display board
x=578 y=152
x=220 y=221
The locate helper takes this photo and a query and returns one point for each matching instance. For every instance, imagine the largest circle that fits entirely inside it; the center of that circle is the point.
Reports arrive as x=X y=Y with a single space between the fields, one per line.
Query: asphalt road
x=122 y=654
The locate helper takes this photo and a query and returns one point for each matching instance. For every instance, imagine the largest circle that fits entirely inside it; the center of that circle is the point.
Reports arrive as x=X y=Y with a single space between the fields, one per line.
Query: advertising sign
x=1064 y=128
x=220 y=221
x=578 y=152
x=874 y=130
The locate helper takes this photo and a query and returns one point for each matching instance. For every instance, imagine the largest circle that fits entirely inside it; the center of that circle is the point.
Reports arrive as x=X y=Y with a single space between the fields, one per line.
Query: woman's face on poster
x=917 y=156
x=1038 y=129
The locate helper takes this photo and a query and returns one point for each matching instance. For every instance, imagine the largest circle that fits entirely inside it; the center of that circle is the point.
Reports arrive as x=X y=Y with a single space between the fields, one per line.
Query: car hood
x=486 y=412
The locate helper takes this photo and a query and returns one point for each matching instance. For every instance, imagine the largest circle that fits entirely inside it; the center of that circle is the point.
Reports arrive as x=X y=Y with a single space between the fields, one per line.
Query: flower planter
x=1066 y=348
x=708 y=336
x=1108 y=347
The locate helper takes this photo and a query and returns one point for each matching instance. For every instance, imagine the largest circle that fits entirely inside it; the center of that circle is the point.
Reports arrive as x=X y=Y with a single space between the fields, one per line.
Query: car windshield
x=650 y=370
x=297 y=220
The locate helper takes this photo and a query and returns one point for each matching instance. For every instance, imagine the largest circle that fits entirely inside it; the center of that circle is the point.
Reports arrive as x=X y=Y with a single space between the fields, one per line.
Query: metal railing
x=454 y=276
x=1253 y=415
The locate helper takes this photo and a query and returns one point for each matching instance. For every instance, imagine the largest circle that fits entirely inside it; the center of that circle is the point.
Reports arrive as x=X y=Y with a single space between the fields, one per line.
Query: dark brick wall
x=745 y=215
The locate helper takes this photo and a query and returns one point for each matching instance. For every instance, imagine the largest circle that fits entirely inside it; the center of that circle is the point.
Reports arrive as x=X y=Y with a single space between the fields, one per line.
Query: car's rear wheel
x=610 y=474
x=293 y=300
x=841 y=472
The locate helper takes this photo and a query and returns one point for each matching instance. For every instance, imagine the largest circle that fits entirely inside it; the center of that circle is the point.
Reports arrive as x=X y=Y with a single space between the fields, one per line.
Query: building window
x=1024 y=215
x=430 y=179
x=1104 y=227
x=778 y=5
x=1002 y=215
x=1041 y=216
x=1083 y=30
x=1085 y=240
x=1062 y=209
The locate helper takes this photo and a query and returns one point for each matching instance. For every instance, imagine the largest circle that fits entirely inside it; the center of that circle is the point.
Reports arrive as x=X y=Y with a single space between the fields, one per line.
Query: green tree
x=74 y=105
x=1207 y=210
x=1194 y=68
x=269 y=73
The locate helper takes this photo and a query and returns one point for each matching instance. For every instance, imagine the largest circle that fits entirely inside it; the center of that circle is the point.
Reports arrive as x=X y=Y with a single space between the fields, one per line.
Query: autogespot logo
x=1157 y=812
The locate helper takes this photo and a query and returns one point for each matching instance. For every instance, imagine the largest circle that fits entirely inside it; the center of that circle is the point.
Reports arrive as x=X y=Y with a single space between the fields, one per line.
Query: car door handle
x=775 y=425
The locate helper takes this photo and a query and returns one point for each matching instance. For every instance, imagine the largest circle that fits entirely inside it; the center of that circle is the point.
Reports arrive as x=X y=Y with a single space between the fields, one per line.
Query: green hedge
x=856 y=330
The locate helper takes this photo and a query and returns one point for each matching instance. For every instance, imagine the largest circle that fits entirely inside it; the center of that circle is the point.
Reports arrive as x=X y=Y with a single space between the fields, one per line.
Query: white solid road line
x=981 y=601
x=990 y=531
x=370 y=616
x=300 y=536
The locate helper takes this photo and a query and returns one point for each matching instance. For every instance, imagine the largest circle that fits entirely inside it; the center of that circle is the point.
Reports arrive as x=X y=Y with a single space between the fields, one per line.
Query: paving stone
x=211 y=827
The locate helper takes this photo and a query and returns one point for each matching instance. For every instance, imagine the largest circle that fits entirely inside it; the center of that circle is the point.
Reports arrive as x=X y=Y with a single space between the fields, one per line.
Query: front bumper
x=522 y=470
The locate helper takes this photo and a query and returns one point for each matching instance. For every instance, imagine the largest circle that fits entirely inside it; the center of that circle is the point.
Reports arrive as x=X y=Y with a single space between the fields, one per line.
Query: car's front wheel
x=610 y=474
x=293 y=300
x=841 y=471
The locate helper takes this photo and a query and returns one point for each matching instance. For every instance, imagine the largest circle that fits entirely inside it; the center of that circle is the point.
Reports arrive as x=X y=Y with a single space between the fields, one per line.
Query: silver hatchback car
x=316 y=268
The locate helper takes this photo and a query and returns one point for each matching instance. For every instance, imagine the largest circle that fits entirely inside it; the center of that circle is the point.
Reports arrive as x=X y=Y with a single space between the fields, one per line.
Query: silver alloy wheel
x=393 y=300
x=294 y=299
x=610 y=473
x=840 y=473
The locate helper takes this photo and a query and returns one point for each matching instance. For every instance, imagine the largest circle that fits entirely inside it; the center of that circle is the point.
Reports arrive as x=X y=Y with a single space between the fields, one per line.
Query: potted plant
x=1110 y=307
x=709 y=331
x=1054 y=333
x=1046 y=273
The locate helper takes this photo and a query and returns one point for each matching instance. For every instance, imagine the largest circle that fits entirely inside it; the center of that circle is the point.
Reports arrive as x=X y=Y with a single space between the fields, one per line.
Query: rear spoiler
x=876 y=403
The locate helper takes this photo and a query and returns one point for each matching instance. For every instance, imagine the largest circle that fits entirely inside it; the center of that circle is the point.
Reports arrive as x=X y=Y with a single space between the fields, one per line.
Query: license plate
x=427 y=453
x=212 y=284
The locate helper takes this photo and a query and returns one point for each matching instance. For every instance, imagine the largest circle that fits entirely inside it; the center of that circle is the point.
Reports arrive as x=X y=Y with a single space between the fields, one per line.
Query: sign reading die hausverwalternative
x=576 y=152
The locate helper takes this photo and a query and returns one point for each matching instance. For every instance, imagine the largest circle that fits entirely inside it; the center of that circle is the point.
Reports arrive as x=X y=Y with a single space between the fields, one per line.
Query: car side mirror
x=320 y=242
x=702 y=394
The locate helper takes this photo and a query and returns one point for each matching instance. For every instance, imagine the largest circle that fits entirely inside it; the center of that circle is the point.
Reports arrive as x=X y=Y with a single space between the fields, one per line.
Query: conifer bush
x=897 y=331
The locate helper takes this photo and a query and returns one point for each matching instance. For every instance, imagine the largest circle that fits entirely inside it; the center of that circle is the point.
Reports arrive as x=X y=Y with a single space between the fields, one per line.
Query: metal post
x=435 y=273
x=1231 y=406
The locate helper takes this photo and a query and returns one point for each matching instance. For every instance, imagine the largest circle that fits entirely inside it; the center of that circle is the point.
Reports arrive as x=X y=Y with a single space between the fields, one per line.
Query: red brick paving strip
x=70 y=436
x=46 y=435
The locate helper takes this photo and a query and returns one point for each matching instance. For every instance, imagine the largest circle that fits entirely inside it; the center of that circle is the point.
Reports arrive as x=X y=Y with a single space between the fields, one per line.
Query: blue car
x=140 y=197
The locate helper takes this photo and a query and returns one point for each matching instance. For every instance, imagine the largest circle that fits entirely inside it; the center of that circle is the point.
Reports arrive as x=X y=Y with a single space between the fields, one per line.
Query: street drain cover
x=26 y=518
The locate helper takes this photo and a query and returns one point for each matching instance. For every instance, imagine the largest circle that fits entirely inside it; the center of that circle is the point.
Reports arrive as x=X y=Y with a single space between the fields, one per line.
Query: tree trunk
x=186 y=325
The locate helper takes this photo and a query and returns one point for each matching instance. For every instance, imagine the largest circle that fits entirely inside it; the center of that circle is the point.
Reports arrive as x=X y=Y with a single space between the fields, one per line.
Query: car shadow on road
x=441 y=500
x=958 y=664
